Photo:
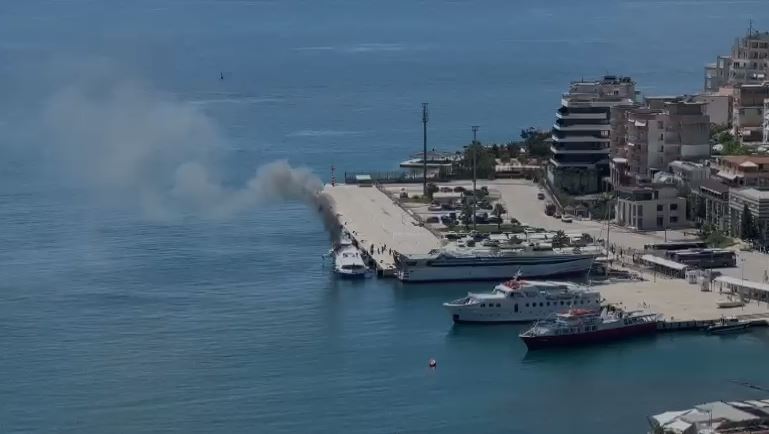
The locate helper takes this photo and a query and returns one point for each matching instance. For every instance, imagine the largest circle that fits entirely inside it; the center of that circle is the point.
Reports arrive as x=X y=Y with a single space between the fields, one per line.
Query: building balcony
x=582 y=127
x=555 y=150
x=579 y=139
x=564 y=114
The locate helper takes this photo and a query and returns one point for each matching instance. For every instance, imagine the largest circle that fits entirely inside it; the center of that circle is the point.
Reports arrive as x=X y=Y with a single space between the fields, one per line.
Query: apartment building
x=650 y=207
x=666 y=129
x=714 y=196
x=742 y=170
x=757 y=201
x=581 y=133
x=747 y=63
x=748 y=117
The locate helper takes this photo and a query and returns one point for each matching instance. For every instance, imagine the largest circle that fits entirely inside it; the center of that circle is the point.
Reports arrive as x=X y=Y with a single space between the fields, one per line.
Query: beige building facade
x=650 y=208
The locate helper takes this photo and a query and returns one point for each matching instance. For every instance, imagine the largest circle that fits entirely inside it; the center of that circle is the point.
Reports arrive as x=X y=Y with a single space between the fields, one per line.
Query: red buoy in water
x=432 y=363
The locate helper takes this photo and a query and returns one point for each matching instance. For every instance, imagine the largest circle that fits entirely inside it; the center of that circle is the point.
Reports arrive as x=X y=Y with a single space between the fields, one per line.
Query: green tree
x=484 y=161
x=498 y=211
x=467 y=213
x=431 y=189
x=747 y=226
x=560 y=239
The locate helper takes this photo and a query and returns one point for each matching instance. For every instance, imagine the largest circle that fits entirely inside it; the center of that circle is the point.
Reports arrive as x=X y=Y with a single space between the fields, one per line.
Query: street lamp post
x=475 y=176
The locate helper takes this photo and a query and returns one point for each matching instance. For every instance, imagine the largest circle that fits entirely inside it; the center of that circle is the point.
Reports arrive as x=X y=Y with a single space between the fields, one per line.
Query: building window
x=674 y=219
x=639 y=210
x=659 y=207
x=673 y=206
x=660 y=221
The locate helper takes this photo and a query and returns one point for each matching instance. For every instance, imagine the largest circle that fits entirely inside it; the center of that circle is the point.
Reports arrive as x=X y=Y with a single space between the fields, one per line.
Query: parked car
x=541 y=196
x=432 y=219
x=556 y=215
x=485 y=205
x=445 y=189
x=434 y=207
x=566 y=218
x=459 y=189
x=447 y=207
x=452 y=236
x=494 y=219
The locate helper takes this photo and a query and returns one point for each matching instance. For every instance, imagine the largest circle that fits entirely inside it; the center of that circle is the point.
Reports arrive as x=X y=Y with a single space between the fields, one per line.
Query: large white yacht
x=482 y=263
x=348 y=261
x=522 y=301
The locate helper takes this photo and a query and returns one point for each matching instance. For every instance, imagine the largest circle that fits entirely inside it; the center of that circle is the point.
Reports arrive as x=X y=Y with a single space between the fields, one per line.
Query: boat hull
x=494 y=272
x=598 y=336
x=721 y=330
x=343 y=274
x=463 y=314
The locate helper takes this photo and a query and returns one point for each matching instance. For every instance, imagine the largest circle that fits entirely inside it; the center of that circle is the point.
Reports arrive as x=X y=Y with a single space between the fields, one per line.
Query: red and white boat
x=583 y=327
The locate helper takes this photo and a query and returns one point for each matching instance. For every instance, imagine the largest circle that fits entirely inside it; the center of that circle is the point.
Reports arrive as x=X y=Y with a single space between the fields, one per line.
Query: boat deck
x=372 y=218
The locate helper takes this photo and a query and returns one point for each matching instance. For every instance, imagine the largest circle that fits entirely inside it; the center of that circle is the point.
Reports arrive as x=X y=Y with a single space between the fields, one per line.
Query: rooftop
x=739 y=159
x=751 y=193
x=714 y=185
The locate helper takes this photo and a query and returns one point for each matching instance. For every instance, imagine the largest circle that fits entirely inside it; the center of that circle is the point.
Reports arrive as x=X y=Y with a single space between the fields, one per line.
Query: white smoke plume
x=126 y=141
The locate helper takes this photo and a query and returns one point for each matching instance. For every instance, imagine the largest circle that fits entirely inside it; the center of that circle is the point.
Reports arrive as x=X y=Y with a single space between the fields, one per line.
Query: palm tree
x=560 y=239
x=498 y=211
x=467 y=213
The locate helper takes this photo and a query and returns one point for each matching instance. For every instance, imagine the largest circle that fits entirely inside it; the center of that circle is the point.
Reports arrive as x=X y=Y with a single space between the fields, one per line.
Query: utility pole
x=425 y=117
x=475 y=176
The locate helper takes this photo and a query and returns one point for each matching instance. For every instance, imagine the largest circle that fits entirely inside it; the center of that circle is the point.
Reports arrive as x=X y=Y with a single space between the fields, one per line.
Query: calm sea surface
x=115 y=317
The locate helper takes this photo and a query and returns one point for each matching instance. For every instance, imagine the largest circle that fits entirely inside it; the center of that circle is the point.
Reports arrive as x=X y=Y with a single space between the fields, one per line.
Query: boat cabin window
x=541 y=304
x=500 y=305
x=483 y=304
x=515 y=307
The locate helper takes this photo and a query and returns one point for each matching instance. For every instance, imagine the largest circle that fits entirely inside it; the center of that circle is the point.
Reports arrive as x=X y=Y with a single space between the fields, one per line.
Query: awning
x=725 y=175
x=663 y=262
x=758 y=286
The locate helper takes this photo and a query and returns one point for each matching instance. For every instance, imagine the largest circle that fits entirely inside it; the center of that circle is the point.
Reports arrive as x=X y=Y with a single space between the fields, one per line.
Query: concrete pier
x=679 y=302
x=372 y=218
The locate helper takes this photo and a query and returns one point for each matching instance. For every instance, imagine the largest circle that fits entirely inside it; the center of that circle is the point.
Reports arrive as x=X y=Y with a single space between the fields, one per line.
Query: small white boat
x=730 y=303
x=348 y=261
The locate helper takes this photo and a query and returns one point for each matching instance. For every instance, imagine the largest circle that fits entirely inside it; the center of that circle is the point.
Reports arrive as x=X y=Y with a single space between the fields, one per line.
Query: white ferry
x=348 y=261
x=493 y=264
x=522 y=301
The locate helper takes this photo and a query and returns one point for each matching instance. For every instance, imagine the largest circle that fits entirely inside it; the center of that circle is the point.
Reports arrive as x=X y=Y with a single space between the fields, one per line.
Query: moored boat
x=348 y=261
x=480 y=263
x=728 y=325
x=583 y=327
x=522 y=301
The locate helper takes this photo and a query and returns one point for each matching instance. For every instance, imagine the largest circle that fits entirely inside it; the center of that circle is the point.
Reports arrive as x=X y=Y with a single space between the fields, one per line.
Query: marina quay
x=373 y=219
x=373 y=215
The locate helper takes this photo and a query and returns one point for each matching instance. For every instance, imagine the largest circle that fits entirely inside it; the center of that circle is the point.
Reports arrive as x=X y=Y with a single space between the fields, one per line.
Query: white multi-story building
x=757 y=201
x=748 y=63
x=650 y=208
x=581 y=131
